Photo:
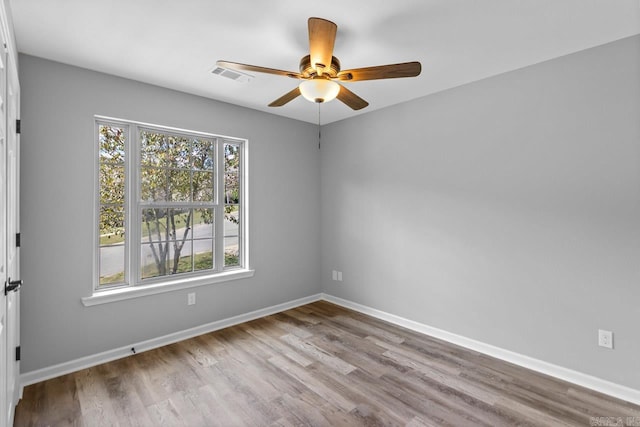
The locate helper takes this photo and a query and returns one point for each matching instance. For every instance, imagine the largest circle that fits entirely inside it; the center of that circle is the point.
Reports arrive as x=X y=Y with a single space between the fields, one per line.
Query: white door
x=12 y=252
x=4 y=352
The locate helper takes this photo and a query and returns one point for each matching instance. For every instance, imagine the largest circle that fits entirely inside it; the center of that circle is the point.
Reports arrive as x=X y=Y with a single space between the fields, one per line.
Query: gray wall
x=58 y=104
x=506 y=210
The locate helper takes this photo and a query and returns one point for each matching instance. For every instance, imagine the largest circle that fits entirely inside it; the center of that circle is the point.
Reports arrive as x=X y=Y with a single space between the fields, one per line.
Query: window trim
x=133 y=285
x=129 y=292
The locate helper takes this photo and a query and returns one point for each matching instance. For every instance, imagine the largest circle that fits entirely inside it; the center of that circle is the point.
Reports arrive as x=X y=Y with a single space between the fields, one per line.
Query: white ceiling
x=175 y=44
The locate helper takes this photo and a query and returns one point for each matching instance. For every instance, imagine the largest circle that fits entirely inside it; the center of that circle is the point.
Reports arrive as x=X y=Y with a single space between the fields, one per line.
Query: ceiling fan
x=320 y=70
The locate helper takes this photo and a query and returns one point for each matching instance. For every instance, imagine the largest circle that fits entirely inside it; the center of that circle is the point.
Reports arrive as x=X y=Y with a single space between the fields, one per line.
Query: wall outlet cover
x=605 y=338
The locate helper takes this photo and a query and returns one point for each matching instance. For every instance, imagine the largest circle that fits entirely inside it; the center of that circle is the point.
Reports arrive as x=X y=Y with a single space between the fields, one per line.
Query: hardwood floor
x=318 y=365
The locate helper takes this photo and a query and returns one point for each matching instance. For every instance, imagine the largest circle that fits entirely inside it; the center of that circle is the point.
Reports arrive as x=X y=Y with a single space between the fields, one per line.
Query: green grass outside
x=202 y=261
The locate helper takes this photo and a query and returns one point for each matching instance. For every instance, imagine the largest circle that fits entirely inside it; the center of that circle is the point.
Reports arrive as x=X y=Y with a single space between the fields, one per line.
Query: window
x=171 y=205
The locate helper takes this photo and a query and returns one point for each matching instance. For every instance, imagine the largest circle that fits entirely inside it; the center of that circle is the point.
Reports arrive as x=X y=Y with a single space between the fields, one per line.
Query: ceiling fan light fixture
x=319 y=89
x=320 y=68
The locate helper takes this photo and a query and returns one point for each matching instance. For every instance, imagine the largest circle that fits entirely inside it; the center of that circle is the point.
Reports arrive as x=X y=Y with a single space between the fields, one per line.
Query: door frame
x=9 y=203
x=12 y=191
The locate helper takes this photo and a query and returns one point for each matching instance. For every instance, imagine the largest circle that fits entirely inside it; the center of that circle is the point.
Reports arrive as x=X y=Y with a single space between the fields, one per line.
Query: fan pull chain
x=319 y=134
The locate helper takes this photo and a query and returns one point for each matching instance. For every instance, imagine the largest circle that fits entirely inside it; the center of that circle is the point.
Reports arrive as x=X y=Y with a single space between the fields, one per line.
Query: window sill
x=120 y=294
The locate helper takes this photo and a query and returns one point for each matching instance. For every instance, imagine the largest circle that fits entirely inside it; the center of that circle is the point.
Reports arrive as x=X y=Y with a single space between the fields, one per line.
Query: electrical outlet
x=605 y=338
x=339 y=276
x=191 y=298
x=334 y=275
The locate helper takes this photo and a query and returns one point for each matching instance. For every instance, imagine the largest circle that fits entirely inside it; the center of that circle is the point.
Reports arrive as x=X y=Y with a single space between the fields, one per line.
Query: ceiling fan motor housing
x=308 y=70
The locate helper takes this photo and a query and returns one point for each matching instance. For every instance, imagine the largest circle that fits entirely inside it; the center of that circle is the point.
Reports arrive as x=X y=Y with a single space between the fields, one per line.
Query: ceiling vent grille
x=232 y=74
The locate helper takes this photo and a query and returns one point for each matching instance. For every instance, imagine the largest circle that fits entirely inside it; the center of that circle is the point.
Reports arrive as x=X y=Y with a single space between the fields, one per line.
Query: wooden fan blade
x=391 y=71
x=289 y=96
x=257 y=69
x=322 y=36
x=351 y=99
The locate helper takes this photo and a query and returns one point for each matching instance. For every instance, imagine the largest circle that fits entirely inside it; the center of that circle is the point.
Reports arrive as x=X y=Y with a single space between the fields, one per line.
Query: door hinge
x=17 y=353
x=17 y=125
x=17 y=240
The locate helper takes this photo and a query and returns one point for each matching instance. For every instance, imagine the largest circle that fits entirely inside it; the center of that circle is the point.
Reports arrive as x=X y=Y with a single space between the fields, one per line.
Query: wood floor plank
x=303 y=409
x=403 y=353
x=305 y=378
x=197 y=349
x=278 y=346
x=602 y=403
x=438 y=402
x=318 y=365
x=163 y=414
x=370 y=329
x=61 y=399
x=314 y=352
x=187 y=410
x=306 y=316
x=366 y=356
x=218 y=408
x=419 y=422
x=289 y=324
x=93 y=396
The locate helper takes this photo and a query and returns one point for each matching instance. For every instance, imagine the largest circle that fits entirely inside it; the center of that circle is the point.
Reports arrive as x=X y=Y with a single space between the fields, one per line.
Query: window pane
x=112 y=140
x=153 y=184
x=231 y=158
x=185 y=264
x=159 y=149
x=202 y=154
x=111 y=183
x=112 y=264
x=232 y=211
x=178 y=152
x=166 y=241
x=155 y=263
x=203 y=186
x=231 y=188
x=231 y=242
x=180 y=185
x=165 y=185
x=203 y=249
x=152 y=146
x=155 y=225
x=231 y=252
x=231 y=174
x=180 y=221
x=111 y=244
x=161 y=260
x=203 y=223
x=111 y=223
x=151 y=263
x=162 y=225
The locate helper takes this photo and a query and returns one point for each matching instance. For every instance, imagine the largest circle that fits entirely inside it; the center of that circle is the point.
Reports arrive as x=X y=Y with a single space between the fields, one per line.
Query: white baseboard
x=575 y=377
x=43 y=374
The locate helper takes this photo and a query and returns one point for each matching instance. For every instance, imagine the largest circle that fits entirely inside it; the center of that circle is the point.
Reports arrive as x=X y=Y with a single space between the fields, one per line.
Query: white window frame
x=134 y=286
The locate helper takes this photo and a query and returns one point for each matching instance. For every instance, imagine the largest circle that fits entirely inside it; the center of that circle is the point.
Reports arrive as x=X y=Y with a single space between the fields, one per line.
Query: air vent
x=232 y=74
